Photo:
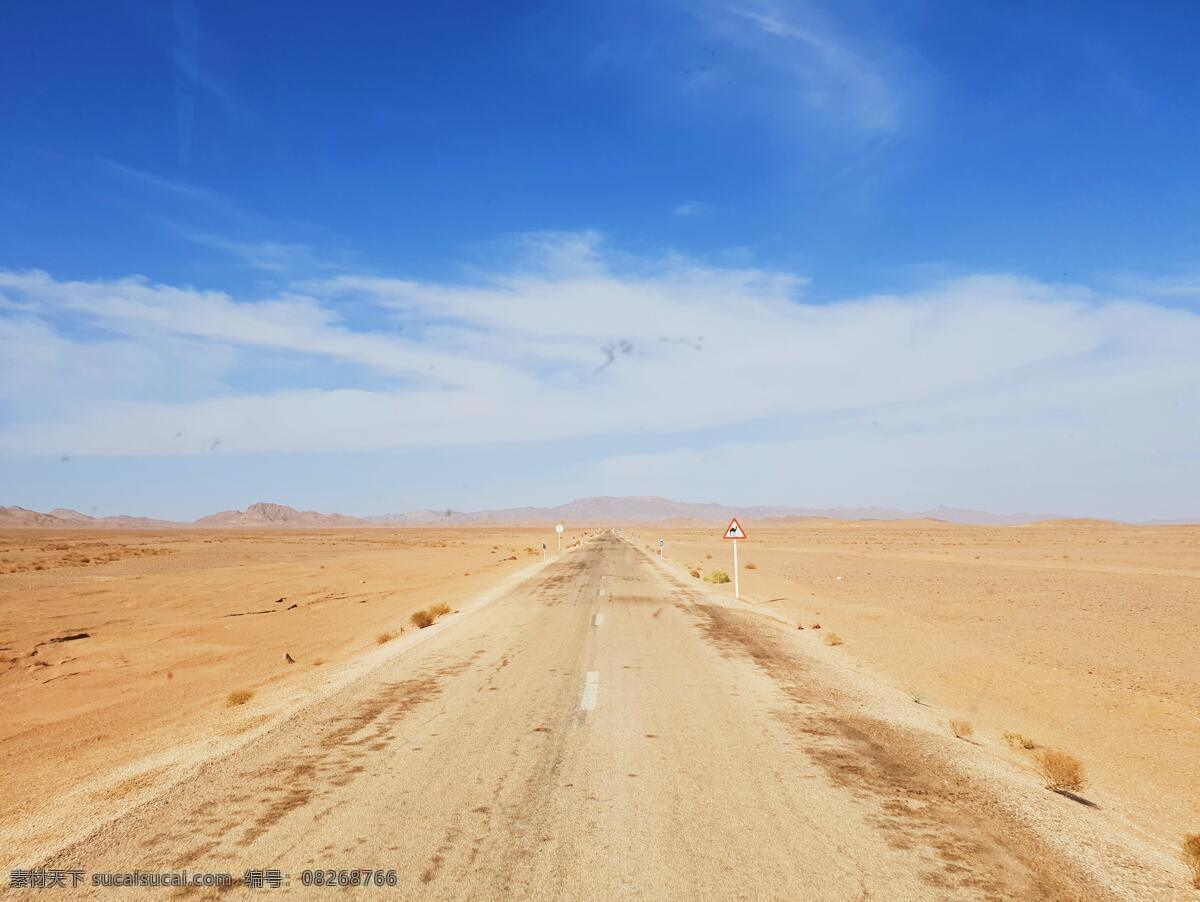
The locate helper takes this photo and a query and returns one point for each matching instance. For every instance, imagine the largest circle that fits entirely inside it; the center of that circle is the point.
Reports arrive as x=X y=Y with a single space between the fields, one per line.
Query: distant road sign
x=559 y=529
x=734 y=530
x=662 y=542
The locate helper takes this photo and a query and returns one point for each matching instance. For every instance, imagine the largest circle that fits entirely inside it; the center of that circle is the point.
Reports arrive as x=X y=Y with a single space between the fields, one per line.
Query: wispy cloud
x=1054 y=385
x=814 y=69
x=692 y=208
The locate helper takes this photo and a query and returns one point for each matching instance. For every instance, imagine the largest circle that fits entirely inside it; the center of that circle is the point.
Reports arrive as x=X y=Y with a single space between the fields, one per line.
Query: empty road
x=601 y=730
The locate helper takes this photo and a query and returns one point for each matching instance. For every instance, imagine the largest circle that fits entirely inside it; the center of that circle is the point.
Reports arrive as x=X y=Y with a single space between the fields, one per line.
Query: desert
x=135 y=660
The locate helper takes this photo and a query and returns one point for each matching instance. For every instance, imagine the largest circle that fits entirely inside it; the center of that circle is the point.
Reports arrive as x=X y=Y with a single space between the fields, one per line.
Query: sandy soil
x=176 y=621
x=1081 y=637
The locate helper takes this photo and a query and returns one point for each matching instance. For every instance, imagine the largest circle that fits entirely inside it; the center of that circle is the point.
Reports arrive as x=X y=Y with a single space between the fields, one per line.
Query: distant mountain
x=601 y=511
x=653 y=509
x=64 y=518
x=265 y=514
x=20 y=518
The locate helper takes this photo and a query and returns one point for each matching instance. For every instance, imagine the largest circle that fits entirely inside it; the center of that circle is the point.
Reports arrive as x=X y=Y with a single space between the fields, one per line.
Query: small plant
x=917 y=695
x=238 y=697
x=750 y=565
x=695 y=572
x=1062 y=772
x=1019 y=741
x=716 y=577
x=961 y=729
x=708 y=557
x=383 y=638
x=1191 y=856
x=815 y=626
x=833 y=639
x=422 y=619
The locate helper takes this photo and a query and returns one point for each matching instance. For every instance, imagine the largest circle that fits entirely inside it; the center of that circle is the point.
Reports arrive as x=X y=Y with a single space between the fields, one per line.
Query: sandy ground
x=1084 y=638
x=605 y=725
x=176 y=621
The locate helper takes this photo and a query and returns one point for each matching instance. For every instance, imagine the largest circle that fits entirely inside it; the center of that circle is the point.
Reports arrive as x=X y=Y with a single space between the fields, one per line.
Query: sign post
x=543 y=552
x=559 y=529
x=735 y=532
x=661 y=542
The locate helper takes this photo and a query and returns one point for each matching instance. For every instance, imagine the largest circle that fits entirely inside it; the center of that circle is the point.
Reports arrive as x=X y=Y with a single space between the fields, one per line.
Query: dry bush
x=385 y=637
x=961 y=729
x=1062 y=772
x=238 y=697
x=833 y=639
x=1191 y=856
x=750 y=565
x=815 y=626
x=422 y=619
x=694 y=572
x=1019 y=741
x=716 y=577
x=708 y=557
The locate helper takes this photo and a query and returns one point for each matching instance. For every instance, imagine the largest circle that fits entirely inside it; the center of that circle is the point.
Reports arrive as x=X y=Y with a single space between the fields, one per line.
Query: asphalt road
x=600 y=731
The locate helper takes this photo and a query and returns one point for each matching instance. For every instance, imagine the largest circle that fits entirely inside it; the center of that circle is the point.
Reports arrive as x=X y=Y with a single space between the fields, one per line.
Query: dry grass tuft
x=238 y=697
x=1062 y=772
x=422 y=619
x=385 y=637
x=750 y=565
x=833 y=639
x=716 y=576
x=694 y=572
x=1019 y=741
x=708 y=557
x=815 y=626
x=961 y=729
x=1191 y=856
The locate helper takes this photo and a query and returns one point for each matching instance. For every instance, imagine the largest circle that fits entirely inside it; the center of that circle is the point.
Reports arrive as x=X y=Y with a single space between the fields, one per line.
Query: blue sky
x=372 y=258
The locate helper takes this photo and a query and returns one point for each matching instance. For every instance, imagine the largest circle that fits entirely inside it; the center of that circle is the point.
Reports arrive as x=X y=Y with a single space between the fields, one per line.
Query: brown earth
x=1083 y=636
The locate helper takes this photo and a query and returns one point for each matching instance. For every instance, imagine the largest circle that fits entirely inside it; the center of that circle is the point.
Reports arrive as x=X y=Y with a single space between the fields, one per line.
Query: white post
x=736 y=593
x=560 y=543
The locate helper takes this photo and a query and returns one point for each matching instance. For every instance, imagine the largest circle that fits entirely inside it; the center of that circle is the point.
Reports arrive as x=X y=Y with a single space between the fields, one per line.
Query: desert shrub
x=833 y=639
x=1019 y=741
x=238 y=697
x=716 y=576
x=1191 y=856
x=695 y=572
x=961 y=729
x=815 y=626
x=750 y=565
x=385 y=637
x=708 y=557
x=422 y=619
x=1062 y=772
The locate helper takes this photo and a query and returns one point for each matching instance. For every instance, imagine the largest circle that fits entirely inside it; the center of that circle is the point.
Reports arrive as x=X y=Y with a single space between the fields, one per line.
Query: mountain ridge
x=590 y=511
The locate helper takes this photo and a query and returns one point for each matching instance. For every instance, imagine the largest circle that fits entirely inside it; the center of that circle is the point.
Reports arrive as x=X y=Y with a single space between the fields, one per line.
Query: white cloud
x=1014 y=380
x=692 y=208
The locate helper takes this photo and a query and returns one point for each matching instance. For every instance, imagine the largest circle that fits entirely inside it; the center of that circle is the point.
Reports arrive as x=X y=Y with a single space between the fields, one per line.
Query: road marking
x=591 y=690
x=597 y=620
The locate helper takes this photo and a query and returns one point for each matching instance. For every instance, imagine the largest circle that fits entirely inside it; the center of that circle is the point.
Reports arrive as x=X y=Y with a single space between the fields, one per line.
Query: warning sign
x=734 y=530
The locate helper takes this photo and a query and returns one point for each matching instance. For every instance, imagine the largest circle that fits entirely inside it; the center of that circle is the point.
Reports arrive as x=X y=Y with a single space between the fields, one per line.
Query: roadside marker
x=543 y=552
x=559 y=529
x=661 y=543
x=734 y=531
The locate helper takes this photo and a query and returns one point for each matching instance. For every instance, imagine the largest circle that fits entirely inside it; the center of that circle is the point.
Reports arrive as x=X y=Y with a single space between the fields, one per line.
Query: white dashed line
x=591 y=691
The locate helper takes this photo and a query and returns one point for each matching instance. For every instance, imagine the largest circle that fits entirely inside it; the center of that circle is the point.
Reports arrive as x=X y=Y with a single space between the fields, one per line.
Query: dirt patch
x=919 y=800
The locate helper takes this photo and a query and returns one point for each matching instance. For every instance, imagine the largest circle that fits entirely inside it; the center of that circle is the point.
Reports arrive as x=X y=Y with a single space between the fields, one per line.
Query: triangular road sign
x=734 y=530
